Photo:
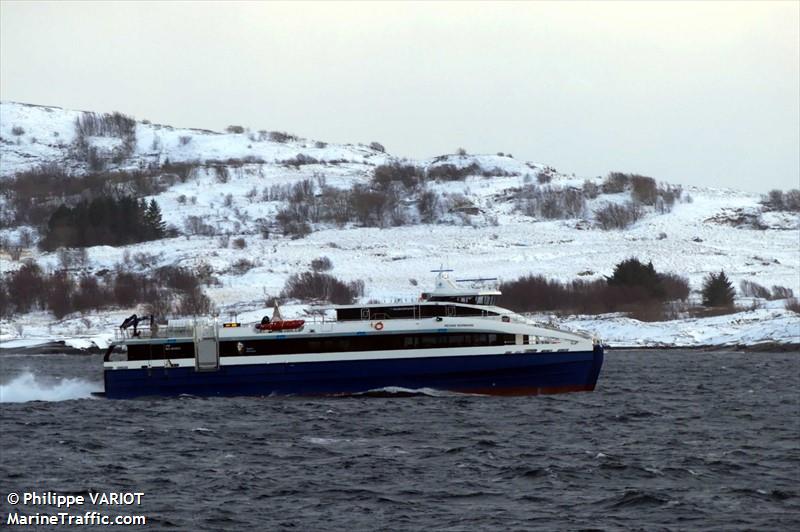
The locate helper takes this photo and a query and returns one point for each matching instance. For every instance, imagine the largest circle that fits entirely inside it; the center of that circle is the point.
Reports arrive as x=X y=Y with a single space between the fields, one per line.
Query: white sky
x=687 y=92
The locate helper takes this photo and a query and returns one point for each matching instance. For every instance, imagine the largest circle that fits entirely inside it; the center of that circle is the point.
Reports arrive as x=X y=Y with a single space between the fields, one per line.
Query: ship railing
x=140 y=333
x=163 y=331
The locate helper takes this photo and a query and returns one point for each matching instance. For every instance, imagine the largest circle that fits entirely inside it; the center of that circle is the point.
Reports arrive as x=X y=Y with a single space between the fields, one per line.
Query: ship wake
x=30 y=387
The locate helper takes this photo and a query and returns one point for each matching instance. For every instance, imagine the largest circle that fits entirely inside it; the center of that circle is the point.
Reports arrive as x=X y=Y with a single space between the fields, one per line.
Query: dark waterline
x=669 y=440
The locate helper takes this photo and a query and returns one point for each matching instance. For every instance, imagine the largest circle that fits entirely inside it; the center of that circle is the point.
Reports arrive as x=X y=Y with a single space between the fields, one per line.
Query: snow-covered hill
x=481 y=229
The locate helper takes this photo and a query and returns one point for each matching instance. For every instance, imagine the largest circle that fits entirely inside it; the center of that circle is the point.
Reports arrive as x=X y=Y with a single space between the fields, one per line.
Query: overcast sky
x=687 y=92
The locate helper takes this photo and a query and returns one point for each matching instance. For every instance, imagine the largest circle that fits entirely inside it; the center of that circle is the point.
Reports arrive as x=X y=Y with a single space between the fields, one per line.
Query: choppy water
x=669 y=440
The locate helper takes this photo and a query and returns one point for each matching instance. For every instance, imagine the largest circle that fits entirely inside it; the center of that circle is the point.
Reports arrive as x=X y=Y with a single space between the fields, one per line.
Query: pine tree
x=155 y=225
x=718 y=291
x=633 y=273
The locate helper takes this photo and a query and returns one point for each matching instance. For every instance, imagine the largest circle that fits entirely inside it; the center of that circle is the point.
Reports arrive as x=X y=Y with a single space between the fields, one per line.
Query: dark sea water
x=668 y=441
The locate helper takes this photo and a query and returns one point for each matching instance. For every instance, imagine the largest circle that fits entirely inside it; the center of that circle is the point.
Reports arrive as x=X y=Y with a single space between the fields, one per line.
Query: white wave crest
x=27 y=387
x=399 y=391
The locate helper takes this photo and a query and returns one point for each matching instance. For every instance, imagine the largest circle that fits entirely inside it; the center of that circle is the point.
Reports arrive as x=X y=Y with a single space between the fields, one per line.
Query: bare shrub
x=127 y=289
x=335 y=205
x=299 y=160
x=89 y=295
x=590 y=189
x=535 y=293
x=292 y=223
x=242 y=266
x=17 y=131
x=377 y=146
x=177 y=278
x=777 y=200
x=321 y=264
x=105 y=125
x=239 y=243
x=194 y=303
x=615 y=183
x=791 y=200
x=69 y=258
x=316 y=286
x=15 y=252
x=319 y=144
x=144 y=260
x=115 y=125
x=634 y=288
x=674 y=287
x=781 y=292
x=237 y=130
x=161 y=303
x=793 y=304
x=263 y=228
x=551 y=203
x=451 y=172
x=184 y=170
x=26 y=238
x=184 y=140
x=182 y=199
x=461 y=151
x=409 y=175
x=6 y=306
x=644 y=189
x=27 y=288
x=614 y=216
x=429 y=206
x=59 y=294
x=195 y=225
x=224 y=241
x=281 y=136
x=369 y=206
x=753 y=289
x=543 y=177
x=221 y=173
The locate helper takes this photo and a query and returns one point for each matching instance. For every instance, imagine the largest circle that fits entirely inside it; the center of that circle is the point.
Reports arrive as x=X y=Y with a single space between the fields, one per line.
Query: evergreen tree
x=633 y=273
x=104 y=221
x=718 y=291
x=155 y=225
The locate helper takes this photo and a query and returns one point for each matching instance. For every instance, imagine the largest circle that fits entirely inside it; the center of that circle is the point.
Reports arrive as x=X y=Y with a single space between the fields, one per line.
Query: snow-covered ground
x=692 y=240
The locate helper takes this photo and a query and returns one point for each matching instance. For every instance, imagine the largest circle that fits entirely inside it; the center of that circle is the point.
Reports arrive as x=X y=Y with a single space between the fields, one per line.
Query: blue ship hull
x=517 y=374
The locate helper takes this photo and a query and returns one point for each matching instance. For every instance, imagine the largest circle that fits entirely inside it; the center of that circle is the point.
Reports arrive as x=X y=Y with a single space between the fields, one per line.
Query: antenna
x=476 y=280
x=441 y=270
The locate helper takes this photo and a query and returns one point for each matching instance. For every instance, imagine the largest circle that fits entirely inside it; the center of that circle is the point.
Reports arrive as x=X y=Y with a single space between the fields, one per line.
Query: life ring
x=379 y=326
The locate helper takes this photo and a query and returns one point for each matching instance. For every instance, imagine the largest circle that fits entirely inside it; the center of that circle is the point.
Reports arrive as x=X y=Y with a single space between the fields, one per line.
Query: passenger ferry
x=453 y=339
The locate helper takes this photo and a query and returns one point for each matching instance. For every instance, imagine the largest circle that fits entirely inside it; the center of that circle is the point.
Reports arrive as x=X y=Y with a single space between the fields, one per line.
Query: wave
x=398 y=391
x=28 y=387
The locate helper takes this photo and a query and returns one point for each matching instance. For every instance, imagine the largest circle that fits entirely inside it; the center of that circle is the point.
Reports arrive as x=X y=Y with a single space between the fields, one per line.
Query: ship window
x=370 y=342
x=428 y=340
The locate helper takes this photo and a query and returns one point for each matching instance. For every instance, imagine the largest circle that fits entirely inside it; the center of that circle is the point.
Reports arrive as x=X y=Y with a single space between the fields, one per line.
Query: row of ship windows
x=365 y=343
x=409 y=312
x=292 y=346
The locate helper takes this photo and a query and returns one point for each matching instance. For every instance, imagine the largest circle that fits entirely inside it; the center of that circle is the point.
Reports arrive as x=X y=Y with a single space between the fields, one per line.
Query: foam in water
x=26 y=387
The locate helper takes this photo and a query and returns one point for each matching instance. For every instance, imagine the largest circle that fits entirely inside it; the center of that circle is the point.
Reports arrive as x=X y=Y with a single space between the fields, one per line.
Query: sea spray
x=28 y=387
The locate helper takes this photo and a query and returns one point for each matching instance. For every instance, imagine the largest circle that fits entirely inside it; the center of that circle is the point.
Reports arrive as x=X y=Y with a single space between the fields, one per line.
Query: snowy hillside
x=239 y=181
